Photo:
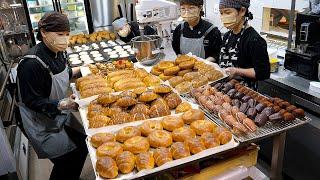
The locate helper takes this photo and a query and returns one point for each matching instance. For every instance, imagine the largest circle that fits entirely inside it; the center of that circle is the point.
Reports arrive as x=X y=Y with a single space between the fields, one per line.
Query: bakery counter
x=301 y=148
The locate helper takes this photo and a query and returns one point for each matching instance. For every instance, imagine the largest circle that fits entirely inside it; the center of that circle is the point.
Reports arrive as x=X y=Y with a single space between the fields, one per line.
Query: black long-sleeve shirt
x=135 y=32
x=212 y=42
x=252 y=52
x=35 y=80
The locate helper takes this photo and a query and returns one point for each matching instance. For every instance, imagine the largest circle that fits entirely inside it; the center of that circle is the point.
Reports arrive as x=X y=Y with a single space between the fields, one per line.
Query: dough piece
x=162 y=155
x=144 y=160
x=179 y=150
x=126 y=162
x=127 y=133
x=183 y=133
x=171 y=123
x=137 y=145
x=149 y=126
x=110 y=149
x=100 y=138
x=107 y=167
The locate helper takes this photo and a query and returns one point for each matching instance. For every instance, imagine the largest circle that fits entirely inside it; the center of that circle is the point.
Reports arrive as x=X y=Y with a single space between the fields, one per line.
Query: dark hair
x=248 y=15
x=39 y=35
x=192 y=2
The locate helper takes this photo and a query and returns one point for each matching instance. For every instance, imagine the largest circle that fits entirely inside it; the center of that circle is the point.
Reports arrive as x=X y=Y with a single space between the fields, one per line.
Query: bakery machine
x=305 y=57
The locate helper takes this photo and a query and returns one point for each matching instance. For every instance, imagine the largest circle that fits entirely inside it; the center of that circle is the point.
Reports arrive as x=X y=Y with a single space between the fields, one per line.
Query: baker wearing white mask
x=43 y=79
x=195 y=34
x=244 y=52
x=127 y=31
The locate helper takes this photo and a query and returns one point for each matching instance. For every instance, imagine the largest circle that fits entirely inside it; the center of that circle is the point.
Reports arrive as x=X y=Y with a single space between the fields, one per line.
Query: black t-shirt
x=135 y=32
x=252 y=52
x=212 y=42
x=35 y=80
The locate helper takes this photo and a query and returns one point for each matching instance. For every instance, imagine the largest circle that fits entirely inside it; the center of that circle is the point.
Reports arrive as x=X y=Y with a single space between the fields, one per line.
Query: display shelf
x=40 y=6
x=71 y=3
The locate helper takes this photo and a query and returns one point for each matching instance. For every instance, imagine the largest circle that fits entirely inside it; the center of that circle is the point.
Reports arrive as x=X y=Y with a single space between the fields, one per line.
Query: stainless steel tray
x=262 y=132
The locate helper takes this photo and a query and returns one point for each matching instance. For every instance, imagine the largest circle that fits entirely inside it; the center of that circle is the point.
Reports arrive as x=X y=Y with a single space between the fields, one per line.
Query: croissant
x=126 y=162
x=144 y=160
x=107 y=167
x=179 y=150
x=195 y=145
x=210 y=140
x=100 y=138
x=162 y=155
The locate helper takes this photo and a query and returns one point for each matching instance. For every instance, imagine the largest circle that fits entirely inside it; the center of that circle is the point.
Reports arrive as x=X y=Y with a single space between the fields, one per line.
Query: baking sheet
x=133 y=175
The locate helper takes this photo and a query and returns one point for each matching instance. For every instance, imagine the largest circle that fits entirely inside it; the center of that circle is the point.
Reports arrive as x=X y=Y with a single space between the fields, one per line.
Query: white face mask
x=57 y=43
x=124 y=32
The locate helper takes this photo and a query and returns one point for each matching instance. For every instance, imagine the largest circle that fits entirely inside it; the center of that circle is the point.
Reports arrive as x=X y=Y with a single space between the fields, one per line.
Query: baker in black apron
x=244 y=52
x=196 y=35
x=43 y=79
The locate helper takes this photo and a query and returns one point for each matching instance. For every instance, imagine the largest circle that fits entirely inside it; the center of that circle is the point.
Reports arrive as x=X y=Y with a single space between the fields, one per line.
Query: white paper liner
x=133 y=175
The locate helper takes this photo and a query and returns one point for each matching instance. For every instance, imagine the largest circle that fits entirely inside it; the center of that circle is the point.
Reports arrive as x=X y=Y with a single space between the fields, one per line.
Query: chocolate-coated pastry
x=244 y=107
x=162 y=155
x=238 y=86
x=126 y=162
x=107 y=167
x=240 y=116
x=236 y=102
x=261 y=119
x=148 y=127
x=288 y=117
x=260 y=107
x=249 y=124
x=284 y=104
x=252 y=103
x=268 y=111
x=245 y=99
x=100 y=138
x=179 y=150
x=298 y=113
x=196 y=145
x=291 y=108
x=225 y=89
x=218 y=86
x=192 y=115
x=228 y=85
x=173 y=100
x=111 y=149
x=252 y=113
x=210 y=140
x=276 y=117
x=276 y=108
x=239 y=95
x=144 y=160
x=127 y=133
x=232 y=93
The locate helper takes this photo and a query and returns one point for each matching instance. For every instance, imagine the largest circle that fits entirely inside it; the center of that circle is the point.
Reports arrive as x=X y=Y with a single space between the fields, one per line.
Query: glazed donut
x=160 y=138
x=183 y=133
x=126 y=162
x=210 y=140
x=137 y=145
x=162 y=155
x=179 y=150
x=100 y=138
x=144 y=160
x=202 y=126
x=127 y=133
x=171 y=123
x=107 y=167
x=192 y=115
x=149 y=126
x=111 y=149
x=195 y=145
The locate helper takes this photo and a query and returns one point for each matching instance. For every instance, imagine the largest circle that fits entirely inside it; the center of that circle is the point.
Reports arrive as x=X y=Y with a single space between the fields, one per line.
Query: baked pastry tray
x=267 y=130
x=135 y=174
x=83 y=110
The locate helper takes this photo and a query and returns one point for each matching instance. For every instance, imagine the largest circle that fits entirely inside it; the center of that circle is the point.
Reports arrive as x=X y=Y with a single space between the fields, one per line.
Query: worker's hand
x=232 y=71
x=68 y=104
x=211 y=59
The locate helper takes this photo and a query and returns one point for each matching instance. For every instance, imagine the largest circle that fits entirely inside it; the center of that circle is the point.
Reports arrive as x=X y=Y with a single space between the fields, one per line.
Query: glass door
x=37 y=8
x=75 y=10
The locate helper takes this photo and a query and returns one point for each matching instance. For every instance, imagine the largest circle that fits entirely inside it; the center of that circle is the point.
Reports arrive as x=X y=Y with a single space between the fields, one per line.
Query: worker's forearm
x=249 y=73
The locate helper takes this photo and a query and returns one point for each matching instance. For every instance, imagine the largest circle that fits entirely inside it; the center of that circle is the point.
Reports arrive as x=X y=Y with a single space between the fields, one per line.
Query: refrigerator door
x=37 y=8
x=76 y=12
x=103 y=12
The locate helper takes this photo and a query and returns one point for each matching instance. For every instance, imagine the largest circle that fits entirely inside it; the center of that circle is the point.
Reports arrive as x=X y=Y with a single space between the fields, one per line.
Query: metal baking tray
x=72 y=48
x=267 y=130
x=131 y=57
x=105 y=59
x=135 y=174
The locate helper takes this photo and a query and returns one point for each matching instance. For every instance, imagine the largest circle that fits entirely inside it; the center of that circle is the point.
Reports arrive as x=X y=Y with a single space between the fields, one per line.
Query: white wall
x=212 y=9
